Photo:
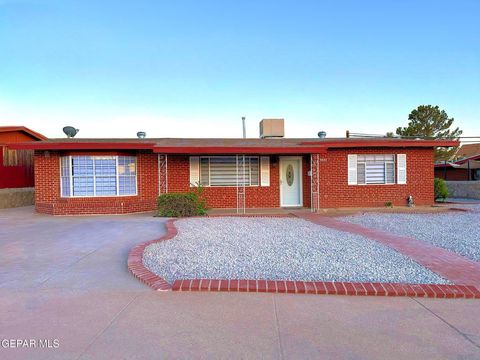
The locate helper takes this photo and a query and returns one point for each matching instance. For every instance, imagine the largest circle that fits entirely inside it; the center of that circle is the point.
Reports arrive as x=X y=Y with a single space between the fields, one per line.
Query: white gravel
x=277 y=249
x=456 y=231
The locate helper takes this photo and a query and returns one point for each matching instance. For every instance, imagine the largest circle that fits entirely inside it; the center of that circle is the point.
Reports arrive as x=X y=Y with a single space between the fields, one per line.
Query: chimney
x=272 y=128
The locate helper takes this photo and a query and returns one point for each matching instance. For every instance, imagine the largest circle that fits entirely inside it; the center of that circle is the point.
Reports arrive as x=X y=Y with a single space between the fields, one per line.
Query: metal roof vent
x=141 y=134
x=322 y=134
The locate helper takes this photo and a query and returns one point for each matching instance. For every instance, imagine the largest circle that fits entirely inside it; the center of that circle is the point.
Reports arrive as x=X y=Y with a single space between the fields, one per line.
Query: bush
x=181 y=205
x=441 y=190
x=388 y=204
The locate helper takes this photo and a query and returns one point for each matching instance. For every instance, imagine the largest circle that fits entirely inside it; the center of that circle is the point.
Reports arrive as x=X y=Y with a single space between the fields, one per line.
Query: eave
x=386 y=143
x=81 y=146
x=306 y=147
x=239 y=150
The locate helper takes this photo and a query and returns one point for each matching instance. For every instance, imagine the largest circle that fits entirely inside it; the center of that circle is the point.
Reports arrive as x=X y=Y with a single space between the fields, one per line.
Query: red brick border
x=136 y=267
x=329 y=288
x=135 y=262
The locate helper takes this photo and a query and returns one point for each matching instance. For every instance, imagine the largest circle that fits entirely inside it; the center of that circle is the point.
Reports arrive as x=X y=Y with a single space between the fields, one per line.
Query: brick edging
x=329 y=288
x=136 y=267
x=135 y=262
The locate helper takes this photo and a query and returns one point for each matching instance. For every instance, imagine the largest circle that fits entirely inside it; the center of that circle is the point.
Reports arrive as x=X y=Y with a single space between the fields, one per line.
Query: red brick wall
x=335 y=191
x=453 y=174
x=226 y=197
x=47 y=189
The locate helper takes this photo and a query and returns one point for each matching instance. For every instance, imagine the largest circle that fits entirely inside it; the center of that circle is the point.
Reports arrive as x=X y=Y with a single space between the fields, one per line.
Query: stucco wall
x=464 y=189
x=10 y=198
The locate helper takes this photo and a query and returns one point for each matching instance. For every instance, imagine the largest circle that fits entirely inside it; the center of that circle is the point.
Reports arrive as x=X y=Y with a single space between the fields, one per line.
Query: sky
x=194 y=68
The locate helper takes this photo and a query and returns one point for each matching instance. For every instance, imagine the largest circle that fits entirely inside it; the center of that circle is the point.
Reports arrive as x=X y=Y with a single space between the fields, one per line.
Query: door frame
x=300 y=161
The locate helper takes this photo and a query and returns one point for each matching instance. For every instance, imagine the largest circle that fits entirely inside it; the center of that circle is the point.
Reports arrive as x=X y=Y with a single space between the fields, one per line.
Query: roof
x=229 y=146
x=468 y=150
x=456 y=164
x=24 y=129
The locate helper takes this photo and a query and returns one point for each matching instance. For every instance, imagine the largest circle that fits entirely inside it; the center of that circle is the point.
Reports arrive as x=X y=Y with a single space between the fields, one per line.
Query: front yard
x=456 y=231
x=278 y=249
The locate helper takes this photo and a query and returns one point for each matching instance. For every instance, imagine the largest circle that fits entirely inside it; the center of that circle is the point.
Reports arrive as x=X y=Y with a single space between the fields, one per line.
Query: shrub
x=181 y=204
x=389 y=204
x=441 y=190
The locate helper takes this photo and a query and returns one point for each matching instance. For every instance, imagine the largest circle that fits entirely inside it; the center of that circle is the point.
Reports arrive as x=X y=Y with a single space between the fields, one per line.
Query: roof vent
x=141 y=134
x=322 y=134
x=272 y=128
x=70 y=131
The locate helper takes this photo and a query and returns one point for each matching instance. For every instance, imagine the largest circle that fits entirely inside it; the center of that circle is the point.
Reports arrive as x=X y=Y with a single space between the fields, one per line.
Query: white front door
x=291 y=181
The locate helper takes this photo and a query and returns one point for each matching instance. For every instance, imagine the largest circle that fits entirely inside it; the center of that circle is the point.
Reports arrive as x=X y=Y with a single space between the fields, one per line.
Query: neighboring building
x=467 y=169
x=16 y=165
x=113 y=176
x=467 y=151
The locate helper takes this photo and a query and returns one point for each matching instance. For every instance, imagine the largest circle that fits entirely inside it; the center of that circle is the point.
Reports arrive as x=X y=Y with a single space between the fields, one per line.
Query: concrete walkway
x=66 y=278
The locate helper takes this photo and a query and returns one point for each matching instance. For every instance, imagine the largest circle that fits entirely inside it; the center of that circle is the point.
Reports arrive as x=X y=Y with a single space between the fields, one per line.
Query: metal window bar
x=162 y=174
x=240 y=160
x=314 y=182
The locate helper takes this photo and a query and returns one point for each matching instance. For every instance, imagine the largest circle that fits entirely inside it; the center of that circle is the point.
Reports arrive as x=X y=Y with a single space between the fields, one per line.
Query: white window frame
x=394 y=163
x=117 y=192
x=220 y=186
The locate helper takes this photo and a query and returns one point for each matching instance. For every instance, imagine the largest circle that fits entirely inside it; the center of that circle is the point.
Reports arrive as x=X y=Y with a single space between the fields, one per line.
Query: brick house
x=115 y=176
x=465 y=169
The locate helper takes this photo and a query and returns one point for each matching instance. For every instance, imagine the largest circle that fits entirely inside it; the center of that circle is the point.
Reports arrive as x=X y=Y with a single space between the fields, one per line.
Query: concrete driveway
x=65 y=278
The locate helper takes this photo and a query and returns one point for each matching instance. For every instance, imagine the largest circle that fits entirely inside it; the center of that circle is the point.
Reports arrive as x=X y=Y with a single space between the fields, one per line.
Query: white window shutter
x=401 y=168
x=265 y=170
x=352 y=169
x=194 y=170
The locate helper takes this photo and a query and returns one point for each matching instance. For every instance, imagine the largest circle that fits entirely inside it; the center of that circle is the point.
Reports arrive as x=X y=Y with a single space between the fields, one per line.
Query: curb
x=330 y=288
x=136 y=267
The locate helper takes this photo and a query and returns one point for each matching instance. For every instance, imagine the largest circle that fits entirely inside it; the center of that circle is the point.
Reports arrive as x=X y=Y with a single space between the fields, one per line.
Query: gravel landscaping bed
x=277 y=249
x=456 y=231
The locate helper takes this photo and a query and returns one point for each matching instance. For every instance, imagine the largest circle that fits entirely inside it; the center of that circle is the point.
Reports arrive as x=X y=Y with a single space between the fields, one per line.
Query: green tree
x=429 y=122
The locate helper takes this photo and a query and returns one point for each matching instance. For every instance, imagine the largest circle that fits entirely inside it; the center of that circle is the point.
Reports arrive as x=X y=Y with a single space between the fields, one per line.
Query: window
x=223 y=170
x=98 y=176
x=375 y=169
